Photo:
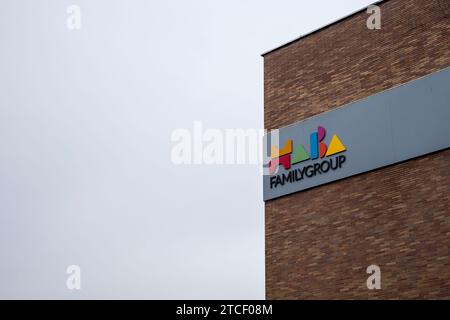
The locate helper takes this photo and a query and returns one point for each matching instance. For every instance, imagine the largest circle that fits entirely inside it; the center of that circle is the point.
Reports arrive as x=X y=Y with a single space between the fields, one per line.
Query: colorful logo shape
x=318 y=149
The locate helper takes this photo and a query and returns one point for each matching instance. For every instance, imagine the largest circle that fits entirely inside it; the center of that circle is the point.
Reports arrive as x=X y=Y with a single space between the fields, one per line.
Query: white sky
x=85 y=124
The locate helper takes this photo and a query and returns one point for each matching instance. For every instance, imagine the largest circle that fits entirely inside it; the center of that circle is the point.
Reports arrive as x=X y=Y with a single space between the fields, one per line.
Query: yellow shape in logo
x=335 y=146
x=275 y=153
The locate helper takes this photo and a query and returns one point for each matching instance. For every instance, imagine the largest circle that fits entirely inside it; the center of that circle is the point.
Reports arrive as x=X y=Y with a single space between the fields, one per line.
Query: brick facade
x=319 y=242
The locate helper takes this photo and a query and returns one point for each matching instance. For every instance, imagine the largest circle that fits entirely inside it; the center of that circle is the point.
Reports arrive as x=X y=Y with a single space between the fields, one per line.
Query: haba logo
x=287 y=157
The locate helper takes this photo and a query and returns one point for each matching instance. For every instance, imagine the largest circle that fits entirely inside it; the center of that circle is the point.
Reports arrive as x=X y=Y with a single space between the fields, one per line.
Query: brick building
x=319 y=241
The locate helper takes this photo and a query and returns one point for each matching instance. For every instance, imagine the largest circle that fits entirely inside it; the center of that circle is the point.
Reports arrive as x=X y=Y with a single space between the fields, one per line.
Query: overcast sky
x=86 y=118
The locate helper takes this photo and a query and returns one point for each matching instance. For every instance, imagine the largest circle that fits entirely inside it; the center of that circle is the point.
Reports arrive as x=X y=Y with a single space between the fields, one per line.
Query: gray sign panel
x=392 y=126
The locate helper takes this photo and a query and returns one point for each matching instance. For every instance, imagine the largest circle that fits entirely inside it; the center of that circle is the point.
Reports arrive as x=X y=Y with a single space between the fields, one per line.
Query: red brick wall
x=319 y=242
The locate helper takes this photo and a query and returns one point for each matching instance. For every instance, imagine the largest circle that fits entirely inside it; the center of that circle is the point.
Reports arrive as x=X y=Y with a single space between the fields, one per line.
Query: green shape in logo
x=299 y=155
